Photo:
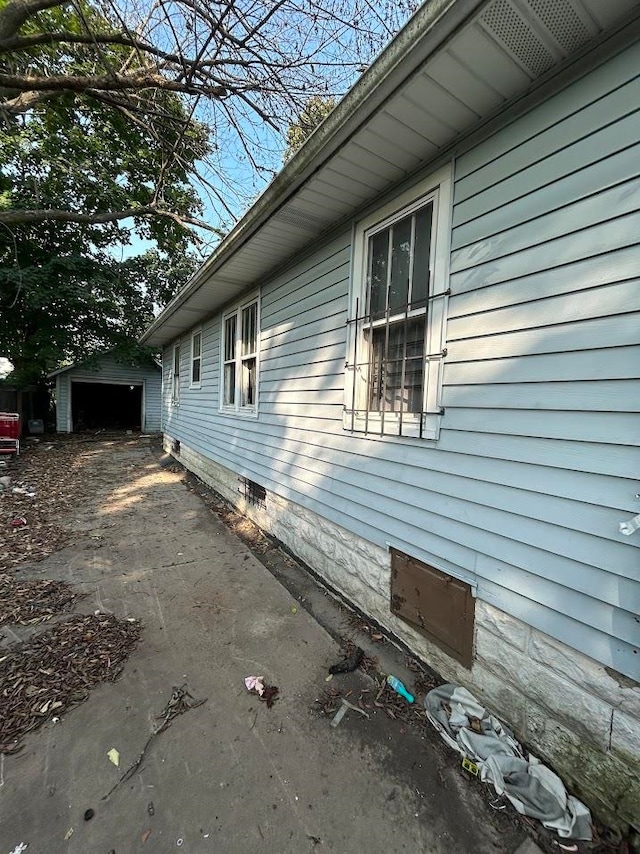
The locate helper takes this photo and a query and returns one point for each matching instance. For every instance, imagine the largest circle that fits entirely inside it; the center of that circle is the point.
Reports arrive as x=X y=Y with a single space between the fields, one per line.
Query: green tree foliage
x=62 y=302
x=92 y=171
x=70 y=156
x=314 y=112
x=243 y=68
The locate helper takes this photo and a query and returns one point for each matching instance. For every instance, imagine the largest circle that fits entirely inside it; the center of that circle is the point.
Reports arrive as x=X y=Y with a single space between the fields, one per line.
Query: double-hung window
x=240 y=341
x=196 y=359
x=175 y=387
x=398 y=312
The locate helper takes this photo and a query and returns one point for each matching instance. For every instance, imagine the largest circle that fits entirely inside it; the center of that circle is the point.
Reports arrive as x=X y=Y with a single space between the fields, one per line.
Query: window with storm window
x=175 y=376
x=196 y=359
x=398 y=313
x=239 y=374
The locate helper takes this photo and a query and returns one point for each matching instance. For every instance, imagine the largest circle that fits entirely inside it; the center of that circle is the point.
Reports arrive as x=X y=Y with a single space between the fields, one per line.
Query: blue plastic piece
x=397 y=686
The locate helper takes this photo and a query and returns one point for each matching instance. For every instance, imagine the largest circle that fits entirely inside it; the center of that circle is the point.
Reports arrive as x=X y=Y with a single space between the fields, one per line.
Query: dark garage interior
x=107 y=406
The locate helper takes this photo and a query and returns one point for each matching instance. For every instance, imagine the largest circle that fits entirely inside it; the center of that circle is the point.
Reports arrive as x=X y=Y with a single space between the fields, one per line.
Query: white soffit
x=497 y=55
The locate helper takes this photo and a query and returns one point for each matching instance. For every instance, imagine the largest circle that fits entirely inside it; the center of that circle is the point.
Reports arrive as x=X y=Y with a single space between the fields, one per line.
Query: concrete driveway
x=231 y=776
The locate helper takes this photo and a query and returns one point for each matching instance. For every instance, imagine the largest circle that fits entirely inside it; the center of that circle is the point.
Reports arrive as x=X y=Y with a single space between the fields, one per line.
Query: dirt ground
x=139 y=541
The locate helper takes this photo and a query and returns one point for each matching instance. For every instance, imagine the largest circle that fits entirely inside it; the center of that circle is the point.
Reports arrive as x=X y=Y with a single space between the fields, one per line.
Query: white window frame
x=239 y=359
x=193 y=359
x=175 y=375
x=437 y=188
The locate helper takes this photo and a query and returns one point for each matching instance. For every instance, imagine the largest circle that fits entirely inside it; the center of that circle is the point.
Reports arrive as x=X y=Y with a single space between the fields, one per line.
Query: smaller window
x=229 y=380
x=249 y=356
x=196 y=359
x=240 y=335
x=175 y=391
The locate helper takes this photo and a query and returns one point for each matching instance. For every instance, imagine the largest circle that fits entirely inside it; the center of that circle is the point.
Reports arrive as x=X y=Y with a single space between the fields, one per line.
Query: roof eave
x=430 y=27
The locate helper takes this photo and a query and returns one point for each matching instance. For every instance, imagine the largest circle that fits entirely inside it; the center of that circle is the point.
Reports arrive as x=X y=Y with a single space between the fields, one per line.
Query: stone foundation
x=571 y=711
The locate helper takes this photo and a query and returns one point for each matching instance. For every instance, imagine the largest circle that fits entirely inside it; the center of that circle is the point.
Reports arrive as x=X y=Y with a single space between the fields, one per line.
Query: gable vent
x=503 y=22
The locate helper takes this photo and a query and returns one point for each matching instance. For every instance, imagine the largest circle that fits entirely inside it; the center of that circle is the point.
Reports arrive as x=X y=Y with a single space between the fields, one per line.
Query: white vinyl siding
x=523 y=491
x=62 y=403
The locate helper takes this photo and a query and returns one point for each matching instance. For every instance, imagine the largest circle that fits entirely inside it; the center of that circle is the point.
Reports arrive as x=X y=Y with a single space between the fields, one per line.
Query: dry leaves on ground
x=52 y=477
x=367 y=663
x=240 y=525
x=396 y=707
x=29 y=602
x=384 y=698
x=54 y=670
x=424 y=679
x=356 y=623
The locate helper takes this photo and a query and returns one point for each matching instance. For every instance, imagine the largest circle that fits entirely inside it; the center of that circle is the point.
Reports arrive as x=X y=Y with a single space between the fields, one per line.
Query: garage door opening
x=107 y=406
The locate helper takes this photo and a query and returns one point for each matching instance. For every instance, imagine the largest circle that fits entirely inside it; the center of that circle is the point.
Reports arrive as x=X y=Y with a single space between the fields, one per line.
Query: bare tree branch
x=20 y=43
x=130 y=108
x=211 y=86
x=116 y=83
x=25 y=101
x=16 y=12
x=15 y=217
x=68 y=37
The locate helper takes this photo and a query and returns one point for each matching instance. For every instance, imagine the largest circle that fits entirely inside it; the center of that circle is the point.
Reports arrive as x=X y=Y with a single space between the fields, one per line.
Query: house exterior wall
x=62 y=403
x=523 y=492
x=109 y=370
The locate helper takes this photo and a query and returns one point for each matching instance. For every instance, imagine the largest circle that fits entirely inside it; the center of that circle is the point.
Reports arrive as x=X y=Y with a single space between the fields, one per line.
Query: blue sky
x=235 y=170
x=339 y=61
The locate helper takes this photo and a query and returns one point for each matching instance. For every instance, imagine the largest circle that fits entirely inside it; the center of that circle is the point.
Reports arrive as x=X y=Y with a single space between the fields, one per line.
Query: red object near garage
x=10 y=429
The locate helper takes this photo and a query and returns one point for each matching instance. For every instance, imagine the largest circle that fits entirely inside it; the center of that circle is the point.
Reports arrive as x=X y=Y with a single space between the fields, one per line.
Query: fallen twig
x=181 y=701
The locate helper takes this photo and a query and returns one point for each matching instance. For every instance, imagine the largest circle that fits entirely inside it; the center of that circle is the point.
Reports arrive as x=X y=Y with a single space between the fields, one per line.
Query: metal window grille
x=389 y=359
x=388 y=367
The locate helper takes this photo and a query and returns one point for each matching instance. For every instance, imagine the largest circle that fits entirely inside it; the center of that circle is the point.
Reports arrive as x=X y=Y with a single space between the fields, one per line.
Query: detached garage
x=108 y=395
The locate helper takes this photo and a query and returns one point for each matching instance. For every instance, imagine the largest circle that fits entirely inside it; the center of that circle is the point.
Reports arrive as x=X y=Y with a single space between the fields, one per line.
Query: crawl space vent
x=253 y=493
x=437 y=605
